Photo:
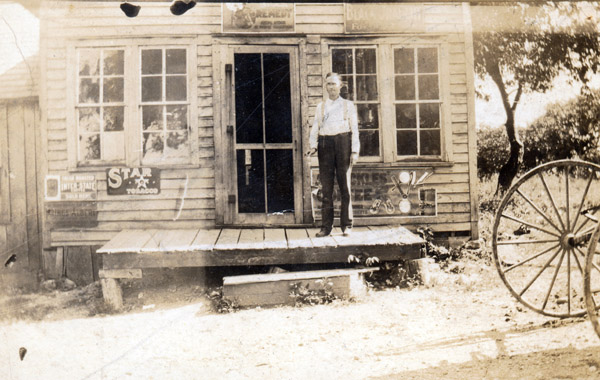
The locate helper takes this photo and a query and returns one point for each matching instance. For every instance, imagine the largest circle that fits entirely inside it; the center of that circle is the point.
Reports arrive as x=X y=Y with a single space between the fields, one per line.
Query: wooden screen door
x=265 y=118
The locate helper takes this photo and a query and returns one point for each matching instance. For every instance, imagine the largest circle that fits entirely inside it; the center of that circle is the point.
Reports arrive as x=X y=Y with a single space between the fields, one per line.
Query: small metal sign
x=77 y=187
x=258 y=18
x=72 y=214
x=382 y=192
x=133 y=181
x=384 y=18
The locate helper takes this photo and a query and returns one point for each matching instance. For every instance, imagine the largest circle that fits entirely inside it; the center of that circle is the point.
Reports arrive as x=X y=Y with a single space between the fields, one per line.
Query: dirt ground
x=461 y=326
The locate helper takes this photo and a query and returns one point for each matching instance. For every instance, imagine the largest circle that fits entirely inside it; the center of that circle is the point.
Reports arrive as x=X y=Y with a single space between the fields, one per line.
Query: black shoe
x=347 y=231
x=180 y=7
x=324 y=232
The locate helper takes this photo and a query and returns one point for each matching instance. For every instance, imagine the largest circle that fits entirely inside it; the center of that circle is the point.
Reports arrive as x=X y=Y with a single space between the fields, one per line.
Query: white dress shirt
x=333 y=122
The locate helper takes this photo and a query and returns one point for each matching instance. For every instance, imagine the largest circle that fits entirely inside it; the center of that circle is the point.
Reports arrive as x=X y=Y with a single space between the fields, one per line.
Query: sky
x=18 y=27
x=17 y=23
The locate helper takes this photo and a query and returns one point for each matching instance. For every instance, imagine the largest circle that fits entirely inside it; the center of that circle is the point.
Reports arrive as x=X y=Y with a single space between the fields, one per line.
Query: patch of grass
x=303 y=294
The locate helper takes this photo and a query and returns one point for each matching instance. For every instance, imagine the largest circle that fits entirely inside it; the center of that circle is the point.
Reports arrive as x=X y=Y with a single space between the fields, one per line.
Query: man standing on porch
x=334 y=135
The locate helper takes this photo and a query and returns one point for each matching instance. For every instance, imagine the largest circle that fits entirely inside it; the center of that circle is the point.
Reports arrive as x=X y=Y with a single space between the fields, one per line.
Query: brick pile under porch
x=131 y=251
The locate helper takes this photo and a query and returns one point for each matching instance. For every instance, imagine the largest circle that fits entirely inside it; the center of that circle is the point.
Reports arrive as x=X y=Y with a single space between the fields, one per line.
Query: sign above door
x=258 y=18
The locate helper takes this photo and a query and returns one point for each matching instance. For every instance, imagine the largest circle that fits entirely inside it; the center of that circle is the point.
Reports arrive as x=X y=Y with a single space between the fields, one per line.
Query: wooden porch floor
x=254 y=246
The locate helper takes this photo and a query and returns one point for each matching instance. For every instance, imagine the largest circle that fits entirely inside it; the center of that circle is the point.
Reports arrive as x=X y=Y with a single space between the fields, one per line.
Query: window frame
x=384 y=46
x=417 y=102
x=132 y=119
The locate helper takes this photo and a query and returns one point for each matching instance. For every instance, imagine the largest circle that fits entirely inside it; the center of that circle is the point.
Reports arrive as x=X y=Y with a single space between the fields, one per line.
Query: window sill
x=406 y=164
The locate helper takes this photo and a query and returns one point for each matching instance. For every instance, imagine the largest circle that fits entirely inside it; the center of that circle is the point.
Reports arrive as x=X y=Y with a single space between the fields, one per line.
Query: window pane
x=89 y=62
x=366 y=87
x=113 y=90
x=113 y=62
x=429 y=115
x=177 y=144
x=153 y=145
x=369 y=143
x=89 y=90
x=278 y=102
x=113 y=119
x=177 y=117
x=152 y=118
x=430 y=142
x=365 y=61
x=368 y=116
x=406 y=116
x=341 y=61
x=248 y=98
x=428 y=87
x=89 y=119
x=427 y=60
x=347 y=90
x=405 y=87
x=251 y=181
x=114 y=146
x=176 y=61
x=151 y=89
x=406 y=141
x=404 y=61
x=89 y=145
x=152 y=61
x=176 y=88
x=280 y=182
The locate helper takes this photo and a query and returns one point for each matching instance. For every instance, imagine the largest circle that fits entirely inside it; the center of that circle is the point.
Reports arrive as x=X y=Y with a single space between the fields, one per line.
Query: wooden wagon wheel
x=591 y=280
x=542 y=227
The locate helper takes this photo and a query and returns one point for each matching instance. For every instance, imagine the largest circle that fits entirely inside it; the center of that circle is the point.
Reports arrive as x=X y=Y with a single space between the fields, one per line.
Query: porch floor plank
x=205 y=240
x=176 y=240
x=128 y=241
x=228 y=239
x=297 y=237
x=326 y=241
x=251 y=239
x=275 y=238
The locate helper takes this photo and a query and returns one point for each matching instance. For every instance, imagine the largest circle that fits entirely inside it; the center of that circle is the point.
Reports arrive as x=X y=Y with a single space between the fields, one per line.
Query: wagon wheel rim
x=591 y=280
x=555 y=251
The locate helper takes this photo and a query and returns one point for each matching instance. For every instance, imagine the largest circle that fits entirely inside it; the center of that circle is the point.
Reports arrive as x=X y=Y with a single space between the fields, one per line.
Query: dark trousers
x=334 y=162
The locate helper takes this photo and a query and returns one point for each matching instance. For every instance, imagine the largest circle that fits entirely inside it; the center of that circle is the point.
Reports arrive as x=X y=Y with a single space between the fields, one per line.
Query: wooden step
x=273 y=289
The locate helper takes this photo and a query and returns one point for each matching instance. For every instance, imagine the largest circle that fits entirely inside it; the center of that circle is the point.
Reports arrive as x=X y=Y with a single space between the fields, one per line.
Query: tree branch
x=517 y=97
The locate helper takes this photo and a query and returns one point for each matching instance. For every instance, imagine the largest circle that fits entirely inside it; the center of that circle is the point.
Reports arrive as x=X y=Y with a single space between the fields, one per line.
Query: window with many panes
x=417 y=101
x=165 y=127
x=357 y=67
x=132 y=105
x=100 y=105
x=397 y=94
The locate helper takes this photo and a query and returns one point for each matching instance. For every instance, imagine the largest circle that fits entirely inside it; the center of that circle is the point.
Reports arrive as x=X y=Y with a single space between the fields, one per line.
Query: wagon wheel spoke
x=578 y=262
x=539 y=273
x=567 y=211
x=585 y=221
x=518 y=220
x=562 y=256
x=551 y=200
x=529 y=259
x=537 y=209
x=568 y=268
x=594 y=265
x=587 y=188
x=519 y=242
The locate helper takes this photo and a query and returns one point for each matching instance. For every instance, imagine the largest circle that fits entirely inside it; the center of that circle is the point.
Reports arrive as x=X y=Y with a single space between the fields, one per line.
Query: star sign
x=142 y=182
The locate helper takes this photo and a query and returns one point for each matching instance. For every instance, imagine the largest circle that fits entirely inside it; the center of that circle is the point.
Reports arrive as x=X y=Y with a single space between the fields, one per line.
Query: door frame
x=227 y=196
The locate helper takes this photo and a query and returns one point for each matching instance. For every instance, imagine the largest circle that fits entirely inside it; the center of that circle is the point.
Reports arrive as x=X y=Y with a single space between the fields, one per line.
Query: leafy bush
x=567 y=130
x=492 y=151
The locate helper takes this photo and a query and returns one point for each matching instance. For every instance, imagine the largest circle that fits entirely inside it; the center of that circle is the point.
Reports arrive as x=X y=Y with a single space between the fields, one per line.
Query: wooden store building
x=171 y=139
